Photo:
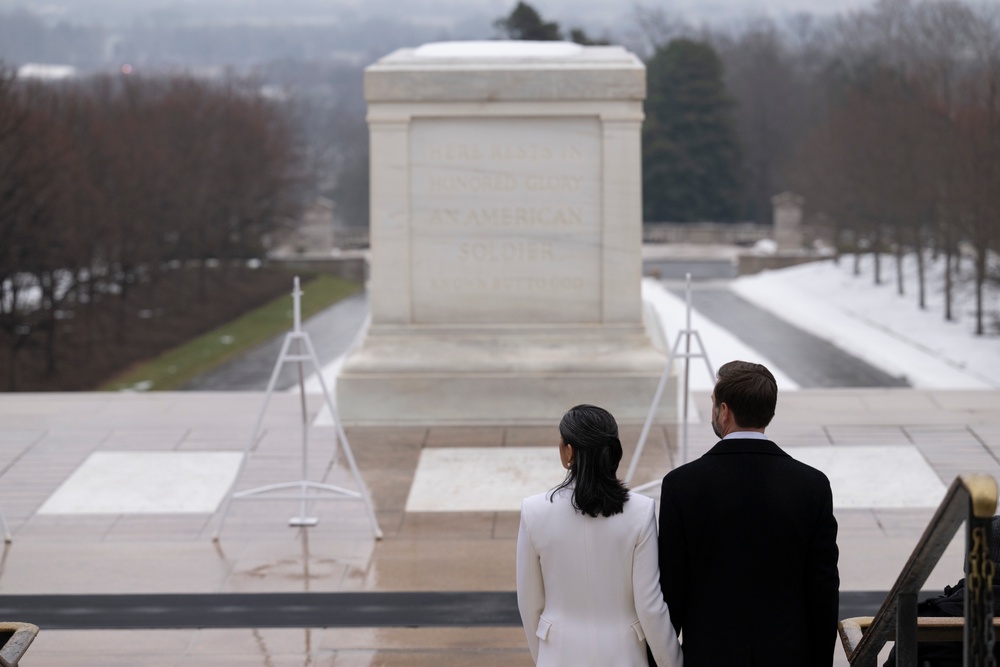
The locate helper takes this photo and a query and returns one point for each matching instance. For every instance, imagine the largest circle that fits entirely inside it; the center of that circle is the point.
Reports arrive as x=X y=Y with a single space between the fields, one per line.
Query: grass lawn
x=175 y=367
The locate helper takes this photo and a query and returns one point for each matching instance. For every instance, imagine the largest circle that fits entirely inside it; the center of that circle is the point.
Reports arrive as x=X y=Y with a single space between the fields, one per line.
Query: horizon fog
x=454 y=18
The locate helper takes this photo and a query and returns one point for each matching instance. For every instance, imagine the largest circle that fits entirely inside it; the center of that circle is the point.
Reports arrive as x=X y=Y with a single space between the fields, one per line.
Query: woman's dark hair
x=597 y=451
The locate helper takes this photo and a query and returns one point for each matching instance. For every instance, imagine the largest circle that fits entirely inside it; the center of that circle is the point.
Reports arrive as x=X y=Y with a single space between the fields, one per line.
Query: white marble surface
x=478 y=479
x=498 y=49
x=505 y=220
x=875 y=476
x=146 y=483
x=501 y=71
x=506 y=235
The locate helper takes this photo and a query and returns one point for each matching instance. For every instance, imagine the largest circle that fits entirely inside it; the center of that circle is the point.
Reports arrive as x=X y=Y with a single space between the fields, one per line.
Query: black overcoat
x=748 y=558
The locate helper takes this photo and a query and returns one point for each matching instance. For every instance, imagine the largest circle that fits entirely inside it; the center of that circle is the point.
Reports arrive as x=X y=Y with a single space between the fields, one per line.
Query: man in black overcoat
x=748 y=541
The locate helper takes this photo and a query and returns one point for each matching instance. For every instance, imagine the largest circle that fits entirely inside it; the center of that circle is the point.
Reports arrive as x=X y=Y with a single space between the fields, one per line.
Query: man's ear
x=724 y=413
x=732 y=418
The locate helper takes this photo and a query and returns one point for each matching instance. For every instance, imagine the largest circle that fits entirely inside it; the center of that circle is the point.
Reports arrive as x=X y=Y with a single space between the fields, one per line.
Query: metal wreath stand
x=6 y=531
x=684 y=334
x=306 y=490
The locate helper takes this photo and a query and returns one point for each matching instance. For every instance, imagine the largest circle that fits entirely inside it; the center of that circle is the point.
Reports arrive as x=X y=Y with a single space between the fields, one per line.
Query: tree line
x=907 y=157
x=112 y=184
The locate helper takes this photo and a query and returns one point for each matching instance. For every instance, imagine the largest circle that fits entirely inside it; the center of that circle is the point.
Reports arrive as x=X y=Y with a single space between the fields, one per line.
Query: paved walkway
x=810 y=361
x=47 y=442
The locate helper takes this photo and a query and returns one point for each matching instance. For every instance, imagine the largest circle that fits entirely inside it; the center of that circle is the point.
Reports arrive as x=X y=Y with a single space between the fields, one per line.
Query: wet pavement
x=110 y=558
x=810 y=361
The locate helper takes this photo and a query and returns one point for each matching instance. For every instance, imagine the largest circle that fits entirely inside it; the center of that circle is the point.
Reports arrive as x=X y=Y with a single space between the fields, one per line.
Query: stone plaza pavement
x=872 y=441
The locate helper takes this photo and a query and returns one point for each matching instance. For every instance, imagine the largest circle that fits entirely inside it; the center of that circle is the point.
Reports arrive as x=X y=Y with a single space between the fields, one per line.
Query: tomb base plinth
x=442 y=376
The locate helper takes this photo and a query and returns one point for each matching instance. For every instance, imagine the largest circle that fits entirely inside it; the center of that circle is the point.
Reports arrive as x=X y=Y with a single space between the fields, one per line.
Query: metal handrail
x=17 y=639
x=968 y=499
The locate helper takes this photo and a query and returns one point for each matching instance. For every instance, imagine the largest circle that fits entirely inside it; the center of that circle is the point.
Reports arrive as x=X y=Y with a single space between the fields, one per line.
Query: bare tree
x=760 y=74
x=652 y=28
x=110 y=184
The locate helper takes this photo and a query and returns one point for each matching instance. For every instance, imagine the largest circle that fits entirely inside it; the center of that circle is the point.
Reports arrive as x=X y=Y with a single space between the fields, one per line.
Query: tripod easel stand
x=6 y=531
x=684 y=334
x=306 y=490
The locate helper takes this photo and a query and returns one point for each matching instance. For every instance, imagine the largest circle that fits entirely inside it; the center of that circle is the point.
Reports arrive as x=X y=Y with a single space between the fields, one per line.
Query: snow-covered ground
x=889 y=331
x=871 y=322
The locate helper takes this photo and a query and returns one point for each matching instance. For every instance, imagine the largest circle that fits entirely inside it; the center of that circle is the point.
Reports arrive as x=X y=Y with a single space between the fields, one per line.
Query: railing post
x=971 y=499
x=871 y=662
x=979 y=571
x=906 y=630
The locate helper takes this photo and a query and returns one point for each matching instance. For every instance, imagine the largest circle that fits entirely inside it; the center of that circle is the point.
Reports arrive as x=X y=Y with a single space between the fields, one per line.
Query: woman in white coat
x=588 y=583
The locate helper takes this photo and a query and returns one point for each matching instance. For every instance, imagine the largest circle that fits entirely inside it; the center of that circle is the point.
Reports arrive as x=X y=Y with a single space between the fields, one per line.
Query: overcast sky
x=593 y=14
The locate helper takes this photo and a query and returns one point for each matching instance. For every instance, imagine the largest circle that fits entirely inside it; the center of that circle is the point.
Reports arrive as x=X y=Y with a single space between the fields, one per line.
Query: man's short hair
x=749 y=390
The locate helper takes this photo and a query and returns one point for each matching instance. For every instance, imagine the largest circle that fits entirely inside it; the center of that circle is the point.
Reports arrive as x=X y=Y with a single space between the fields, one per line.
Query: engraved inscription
x=505 y=220
x=532 y=152
x=441 y=184
x=505 y=251
x=446 y=184
x=502 y=217
x=509 y=284
x=446 y=152
x=539 y=183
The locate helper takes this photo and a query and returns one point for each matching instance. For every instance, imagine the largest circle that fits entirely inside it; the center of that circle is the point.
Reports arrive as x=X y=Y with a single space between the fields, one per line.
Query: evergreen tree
x=690 y=152
x=525 y=23
x=580 y=37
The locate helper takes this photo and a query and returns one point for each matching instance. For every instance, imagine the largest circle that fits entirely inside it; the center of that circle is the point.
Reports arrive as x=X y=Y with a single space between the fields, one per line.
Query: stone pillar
x=505 y=237
x=788 y=220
